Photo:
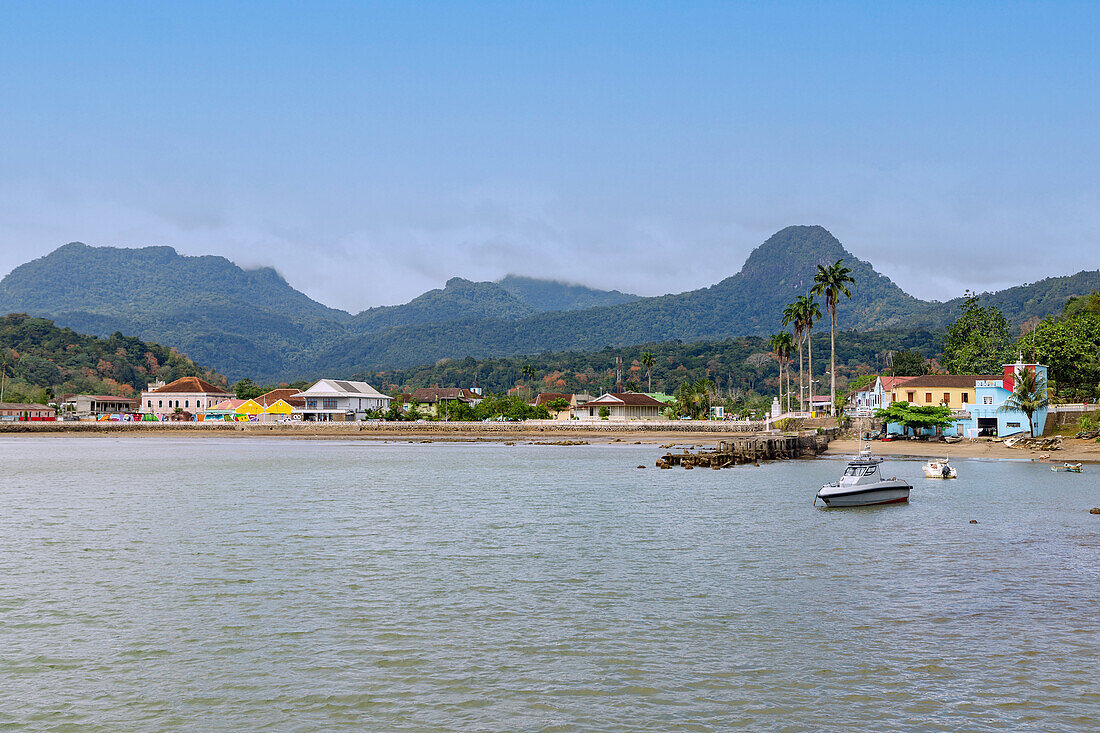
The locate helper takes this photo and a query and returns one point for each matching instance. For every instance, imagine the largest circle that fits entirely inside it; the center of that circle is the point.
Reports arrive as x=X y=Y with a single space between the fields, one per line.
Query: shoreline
x=627 y=433
x=1072 y=451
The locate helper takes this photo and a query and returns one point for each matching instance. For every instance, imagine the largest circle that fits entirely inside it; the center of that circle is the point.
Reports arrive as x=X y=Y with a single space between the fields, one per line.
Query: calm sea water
x=237 y=584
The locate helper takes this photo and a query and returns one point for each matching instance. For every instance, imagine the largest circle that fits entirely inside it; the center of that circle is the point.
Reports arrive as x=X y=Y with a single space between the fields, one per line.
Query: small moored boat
x=1069 y=468
x=863 y=485
x=939 y=469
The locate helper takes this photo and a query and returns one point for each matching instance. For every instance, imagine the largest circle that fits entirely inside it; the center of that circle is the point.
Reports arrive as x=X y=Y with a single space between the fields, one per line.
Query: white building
x=621 y=406
x=340 y=400
x=188 y=394
x=878 y=394
x=88 y=405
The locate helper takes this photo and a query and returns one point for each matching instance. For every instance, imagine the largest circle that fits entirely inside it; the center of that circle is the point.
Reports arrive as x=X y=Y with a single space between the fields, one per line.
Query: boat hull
x=892 y=493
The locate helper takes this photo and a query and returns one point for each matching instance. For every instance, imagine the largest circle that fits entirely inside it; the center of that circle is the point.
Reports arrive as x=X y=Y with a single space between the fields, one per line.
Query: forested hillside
x=1021 y=303
x=253 y=323
x=733 y=364
x=551 y=295
x=40 y=360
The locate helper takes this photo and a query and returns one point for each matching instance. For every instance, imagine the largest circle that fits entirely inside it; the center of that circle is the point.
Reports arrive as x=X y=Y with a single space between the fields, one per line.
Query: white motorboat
x=863 y=485
x=939 y=469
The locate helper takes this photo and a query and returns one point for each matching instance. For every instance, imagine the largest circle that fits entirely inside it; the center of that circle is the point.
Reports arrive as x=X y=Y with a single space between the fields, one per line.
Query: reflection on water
x=181 y=584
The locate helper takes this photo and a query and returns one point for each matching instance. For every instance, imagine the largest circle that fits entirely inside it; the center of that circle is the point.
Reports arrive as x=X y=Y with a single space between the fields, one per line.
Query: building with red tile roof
x=189 y=394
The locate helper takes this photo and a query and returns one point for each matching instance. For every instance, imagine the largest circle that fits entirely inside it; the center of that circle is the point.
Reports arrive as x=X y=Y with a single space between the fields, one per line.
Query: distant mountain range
x=253 y=323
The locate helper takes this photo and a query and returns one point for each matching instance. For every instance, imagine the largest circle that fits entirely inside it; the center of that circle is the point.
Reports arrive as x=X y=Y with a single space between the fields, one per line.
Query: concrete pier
x=751 y=449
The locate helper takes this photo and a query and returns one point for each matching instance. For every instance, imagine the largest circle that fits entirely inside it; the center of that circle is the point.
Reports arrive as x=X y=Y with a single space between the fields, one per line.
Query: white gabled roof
x=342 y=388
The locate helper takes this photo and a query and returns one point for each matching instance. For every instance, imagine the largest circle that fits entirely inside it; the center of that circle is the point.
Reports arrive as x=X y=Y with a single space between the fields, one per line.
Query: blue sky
x=371 y=151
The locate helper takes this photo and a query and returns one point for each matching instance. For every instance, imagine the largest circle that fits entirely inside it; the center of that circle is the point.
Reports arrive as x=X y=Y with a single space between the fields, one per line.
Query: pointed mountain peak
x=796 y=248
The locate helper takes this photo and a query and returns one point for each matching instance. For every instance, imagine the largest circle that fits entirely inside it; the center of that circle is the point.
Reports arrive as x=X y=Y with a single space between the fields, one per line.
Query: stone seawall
x=537 y=427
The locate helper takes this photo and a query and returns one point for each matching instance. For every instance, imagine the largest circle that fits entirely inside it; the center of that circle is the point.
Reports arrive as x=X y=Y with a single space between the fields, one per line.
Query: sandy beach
x=1072 y=450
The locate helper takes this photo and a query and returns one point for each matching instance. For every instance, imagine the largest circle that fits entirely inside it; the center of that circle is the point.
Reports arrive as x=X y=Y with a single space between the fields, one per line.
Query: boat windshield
x=857 y=471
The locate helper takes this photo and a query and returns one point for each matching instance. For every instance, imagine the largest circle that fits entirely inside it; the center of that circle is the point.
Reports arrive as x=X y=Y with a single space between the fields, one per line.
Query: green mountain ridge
x=41 y=360
x=253 y=323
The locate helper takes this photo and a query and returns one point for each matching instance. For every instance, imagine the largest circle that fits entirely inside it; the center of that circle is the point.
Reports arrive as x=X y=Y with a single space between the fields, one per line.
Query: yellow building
x=952 y=390
x=278 y=410
x=250 y=407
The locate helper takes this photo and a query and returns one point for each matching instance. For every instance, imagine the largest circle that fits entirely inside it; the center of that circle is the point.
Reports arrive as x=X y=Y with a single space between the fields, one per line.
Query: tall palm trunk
x=788 y=385
x=832 y=361
x=801 y=382
x=810 y=365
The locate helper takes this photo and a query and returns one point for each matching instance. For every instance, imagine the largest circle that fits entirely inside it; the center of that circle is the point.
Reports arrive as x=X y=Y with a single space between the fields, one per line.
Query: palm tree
x=832 y=282
x=648 y=361
x=792 y=316
x=781 y=345
x=1029 y=395
x=528 y=372
x=810 y=313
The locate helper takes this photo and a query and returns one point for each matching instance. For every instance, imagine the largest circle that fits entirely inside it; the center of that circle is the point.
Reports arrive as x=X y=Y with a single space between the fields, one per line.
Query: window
x=966 y=397
x=150 y=403
x=927 y=396
x=311 y=404
x=947 y=398
x=329 y=403
x=987 y=400
x=187 y=403
x=911 y=397
x=1013 y=424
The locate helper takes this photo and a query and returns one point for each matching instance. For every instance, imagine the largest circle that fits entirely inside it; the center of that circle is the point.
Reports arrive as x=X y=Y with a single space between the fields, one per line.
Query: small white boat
x=863 y=485
x=939 y=469
x=1068 y=468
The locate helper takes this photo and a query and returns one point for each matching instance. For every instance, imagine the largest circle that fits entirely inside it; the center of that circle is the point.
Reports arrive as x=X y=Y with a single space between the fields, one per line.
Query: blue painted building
x=975 y=401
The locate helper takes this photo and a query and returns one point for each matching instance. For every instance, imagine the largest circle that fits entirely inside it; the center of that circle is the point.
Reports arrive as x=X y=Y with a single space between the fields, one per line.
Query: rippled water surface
x=247 y=584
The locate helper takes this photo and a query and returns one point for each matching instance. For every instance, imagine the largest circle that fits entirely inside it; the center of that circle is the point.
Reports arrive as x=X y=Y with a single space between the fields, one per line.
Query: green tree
x=558 y=405
x=781 y=345
x=810 y=313
x=832 y=282
x=909 y=363
x=915 y=417
x=979 y=341
x=529 y=372
x=693 y=398
x=1029 y=395
x=246 y=390
x=796 y=315
x=1070 y=347
x=605 y=412
x=648 y=361
x=1085 y=304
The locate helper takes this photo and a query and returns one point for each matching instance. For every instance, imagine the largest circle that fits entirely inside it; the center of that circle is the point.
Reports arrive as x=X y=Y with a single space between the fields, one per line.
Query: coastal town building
x=435 y=400
x=877 y=395
x=187 y=394
x=87 y=406
x=621 y=406
x=339 y=400
x=949 y=390
x=289 y=396
x=976 y=401
x=23 y=412
x=573 y=400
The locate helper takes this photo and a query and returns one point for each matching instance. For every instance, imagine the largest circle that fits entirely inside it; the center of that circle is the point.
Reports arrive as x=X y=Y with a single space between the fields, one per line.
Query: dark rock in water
x=973 y=521
x=1095 y=510
x=641 y=466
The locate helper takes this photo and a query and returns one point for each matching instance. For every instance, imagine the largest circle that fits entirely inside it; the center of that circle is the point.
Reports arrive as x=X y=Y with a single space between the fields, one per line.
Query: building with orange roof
x=188 y=394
